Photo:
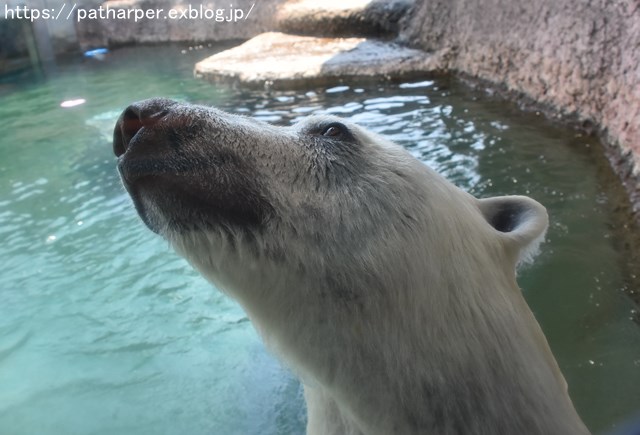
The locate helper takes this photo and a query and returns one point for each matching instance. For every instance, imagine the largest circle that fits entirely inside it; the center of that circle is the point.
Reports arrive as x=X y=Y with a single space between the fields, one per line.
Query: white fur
x=392 y=296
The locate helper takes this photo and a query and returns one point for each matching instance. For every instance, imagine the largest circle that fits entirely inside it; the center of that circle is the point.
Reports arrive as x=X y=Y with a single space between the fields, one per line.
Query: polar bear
x=388 y=290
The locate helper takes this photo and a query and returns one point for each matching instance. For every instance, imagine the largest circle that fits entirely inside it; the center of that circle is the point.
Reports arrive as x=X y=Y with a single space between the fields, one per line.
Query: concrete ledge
x=342 y=17
x=579 y=58
x=305 y=17
x=278 y=60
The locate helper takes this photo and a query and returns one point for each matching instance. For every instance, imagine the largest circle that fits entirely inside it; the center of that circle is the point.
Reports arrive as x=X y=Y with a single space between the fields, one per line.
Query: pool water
x=104 y=330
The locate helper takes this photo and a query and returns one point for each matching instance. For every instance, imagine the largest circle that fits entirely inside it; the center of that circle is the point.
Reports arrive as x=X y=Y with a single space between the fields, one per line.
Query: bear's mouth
x=177 y=179
x=146 y=143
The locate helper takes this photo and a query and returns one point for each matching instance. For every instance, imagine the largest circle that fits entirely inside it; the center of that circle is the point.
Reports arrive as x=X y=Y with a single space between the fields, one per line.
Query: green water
x=104 y=330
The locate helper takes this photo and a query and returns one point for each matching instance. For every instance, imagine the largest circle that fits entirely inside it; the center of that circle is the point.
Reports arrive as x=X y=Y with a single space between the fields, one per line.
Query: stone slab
x=277 y=60
x=342 y=18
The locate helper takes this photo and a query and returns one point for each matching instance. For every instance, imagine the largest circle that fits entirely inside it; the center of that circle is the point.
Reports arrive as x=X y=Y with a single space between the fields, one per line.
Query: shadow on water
x=104 y=330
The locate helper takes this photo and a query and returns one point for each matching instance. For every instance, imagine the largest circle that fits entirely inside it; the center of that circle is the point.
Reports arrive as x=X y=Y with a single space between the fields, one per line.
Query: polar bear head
x=356 y=262
x=318 y=192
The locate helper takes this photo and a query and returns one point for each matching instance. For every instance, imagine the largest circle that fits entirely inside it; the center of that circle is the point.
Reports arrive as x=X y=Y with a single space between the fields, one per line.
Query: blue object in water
x=97 y=53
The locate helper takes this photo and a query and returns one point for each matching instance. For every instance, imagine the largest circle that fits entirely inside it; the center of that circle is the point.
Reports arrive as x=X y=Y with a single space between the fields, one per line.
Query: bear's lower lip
x=164 y=203
x=131 y=170
x=163 y=191
x=133 y=167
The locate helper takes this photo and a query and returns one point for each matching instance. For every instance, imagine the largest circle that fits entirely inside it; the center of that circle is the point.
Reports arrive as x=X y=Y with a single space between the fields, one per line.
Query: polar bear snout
x=134 y=118
x=182 y=166
x=151 y=138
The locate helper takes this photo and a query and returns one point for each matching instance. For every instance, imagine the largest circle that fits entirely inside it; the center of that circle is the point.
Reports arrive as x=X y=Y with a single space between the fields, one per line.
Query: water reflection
x=104 y=330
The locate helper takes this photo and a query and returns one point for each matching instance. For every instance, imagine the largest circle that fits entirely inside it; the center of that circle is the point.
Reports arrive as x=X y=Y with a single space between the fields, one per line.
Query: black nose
x=138 y=115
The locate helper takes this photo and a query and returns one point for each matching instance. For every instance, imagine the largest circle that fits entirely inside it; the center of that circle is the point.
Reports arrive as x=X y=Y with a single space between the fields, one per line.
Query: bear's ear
x=518 y=220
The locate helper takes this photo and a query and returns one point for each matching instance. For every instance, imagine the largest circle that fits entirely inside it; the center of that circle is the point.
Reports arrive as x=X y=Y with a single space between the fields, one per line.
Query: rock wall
x=258 y=17
x=62 y=31
x=51 y=36
x=581 y=57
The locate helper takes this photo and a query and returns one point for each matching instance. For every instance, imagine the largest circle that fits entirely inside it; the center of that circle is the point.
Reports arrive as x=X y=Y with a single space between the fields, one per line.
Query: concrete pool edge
x=621 y=160
x=577 y=60
x=566 y=61
x=574 y=59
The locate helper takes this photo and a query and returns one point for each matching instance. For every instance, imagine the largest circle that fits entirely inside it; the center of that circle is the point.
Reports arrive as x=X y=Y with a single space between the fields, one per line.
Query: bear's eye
x=334 y=129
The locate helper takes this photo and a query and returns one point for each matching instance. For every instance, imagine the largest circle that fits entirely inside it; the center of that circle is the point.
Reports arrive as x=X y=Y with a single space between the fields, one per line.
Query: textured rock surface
x=109 y=32
x=304 y=17
x=279 y=60
x=342 y=17
x=580 y=57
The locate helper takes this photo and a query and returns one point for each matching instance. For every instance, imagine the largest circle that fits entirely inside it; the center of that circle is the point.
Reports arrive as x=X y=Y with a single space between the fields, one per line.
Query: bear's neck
x=422 y=351
x=393 y=366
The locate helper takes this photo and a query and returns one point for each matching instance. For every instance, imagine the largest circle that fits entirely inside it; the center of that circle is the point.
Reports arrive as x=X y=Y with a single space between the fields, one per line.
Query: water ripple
x=103 y=329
